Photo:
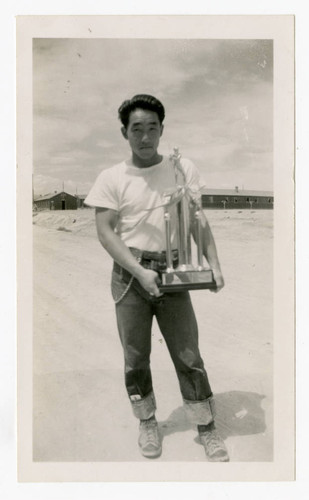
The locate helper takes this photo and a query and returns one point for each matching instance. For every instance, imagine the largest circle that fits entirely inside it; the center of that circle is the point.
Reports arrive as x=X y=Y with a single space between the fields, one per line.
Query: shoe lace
x=150 y=429
x=213 y=442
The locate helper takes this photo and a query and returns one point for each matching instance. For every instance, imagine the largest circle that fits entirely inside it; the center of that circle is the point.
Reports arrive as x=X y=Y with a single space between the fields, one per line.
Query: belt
x=149 y=260
x=158 y=256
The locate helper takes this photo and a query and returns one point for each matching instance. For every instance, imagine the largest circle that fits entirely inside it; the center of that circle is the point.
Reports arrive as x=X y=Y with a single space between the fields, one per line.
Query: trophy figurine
x=178 y=224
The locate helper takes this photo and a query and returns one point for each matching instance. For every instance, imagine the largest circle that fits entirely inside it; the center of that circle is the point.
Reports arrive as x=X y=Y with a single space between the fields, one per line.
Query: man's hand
x=218 y=279
x=106 y=220
x=149 y=280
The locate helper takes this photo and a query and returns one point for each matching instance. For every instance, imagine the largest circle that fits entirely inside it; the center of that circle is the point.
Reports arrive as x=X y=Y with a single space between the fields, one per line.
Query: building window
x=256 y=200
x=211 y=199
x=235 y=200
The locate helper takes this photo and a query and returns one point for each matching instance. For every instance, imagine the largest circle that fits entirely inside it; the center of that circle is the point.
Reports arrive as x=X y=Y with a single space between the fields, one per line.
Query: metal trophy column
x=185 y=276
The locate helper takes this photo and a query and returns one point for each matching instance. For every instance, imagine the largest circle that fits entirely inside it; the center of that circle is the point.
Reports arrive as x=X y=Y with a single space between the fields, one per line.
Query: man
x=130 y=225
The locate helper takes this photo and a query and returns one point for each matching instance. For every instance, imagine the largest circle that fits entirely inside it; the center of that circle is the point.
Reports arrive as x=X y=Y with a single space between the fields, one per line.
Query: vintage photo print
x=226 y=84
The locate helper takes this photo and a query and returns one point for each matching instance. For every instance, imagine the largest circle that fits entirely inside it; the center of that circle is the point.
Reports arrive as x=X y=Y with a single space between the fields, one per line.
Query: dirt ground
x=80 y=409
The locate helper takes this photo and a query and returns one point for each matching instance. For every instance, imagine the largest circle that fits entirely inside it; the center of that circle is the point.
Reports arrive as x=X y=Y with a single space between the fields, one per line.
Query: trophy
x=177 y=210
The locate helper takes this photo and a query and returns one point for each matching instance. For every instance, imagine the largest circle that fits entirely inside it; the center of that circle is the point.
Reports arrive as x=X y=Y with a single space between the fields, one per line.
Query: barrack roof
x=234 y=192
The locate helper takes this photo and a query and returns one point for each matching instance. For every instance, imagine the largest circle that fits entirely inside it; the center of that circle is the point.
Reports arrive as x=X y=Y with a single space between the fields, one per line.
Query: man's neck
x=145 y=163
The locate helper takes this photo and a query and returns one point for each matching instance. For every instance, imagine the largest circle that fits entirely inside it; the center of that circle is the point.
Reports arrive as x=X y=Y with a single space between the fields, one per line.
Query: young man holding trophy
x=147 y=207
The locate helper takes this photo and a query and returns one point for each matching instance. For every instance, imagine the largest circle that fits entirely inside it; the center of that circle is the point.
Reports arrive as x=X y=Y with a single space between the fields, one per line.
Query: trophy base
x=178 y=281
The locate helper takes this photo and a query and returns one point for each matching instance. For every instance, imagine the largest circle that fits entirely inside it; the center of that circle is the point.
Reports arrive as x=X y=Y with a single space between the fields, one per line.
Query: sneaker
x=214 y=446
x=149 y=439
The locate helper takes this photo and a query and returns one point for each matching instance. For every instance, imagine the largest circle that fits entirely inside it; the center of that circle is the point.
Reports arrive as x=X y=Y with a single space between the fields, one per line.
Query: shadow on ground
x=239 y=413
x=68 y=426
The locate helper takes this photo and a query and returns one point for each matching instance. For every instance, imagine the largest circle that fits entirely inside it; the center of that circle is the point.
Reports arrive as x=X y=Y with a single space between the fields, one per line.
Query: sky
x=217 y=94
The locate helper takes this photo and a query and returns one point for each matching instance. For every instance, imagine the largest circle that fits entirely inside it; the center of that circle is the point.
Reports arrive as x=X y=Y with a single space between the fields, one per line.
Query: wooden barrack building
x=56 y=201
x=237 y=199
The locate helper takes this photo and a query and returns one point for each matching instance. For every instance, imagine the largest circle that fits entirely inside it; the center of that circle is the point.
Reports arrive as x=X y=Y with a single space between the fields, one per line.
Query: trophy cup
x=185 y=276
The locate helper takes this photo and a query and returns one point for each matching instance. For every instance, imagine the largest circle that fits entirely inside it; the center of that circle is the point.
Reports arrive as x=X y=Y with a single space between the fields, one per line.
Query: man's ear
x=162 y=128
x=124 y=132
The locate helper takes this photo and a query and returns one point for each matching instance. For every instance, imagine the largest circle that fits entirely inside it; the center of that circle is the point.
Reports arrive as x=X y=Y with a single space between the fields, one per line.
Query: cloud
x=204 y=84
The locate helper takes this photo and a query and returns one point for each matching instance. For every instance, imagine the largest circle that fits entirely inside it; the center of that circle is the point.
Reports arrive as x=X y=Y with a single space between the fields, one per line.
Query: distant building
x=236 y=198
x=56 y=201
x=80 y=200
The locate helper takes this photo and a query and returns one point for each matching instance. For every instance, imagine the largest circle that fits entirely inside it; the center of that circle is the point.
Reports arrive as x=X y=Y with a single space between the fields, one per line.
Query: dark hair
x=140 y=101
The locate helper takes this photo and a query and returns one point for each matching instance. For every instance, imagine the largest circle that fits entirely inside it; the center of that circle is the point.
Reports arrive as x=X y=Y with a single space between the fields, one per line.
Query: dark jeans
x=177 y=323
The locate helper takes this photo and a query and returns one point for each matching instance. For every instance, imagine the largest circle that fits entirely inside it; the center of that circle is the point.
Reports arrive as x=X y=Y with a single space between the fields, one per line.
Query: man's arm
x=209 y=248
x=106 y=220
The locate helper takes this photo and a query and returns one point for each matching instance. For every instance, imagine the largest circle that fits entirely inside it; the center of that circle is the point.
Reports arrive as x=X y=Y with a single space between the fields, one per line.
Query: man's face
x=143 y=133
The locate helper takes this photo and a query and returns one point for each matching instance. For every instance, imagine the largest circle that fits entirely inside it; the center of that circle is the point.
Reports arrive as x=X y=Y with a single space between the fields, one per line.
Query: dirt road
x=81 y=410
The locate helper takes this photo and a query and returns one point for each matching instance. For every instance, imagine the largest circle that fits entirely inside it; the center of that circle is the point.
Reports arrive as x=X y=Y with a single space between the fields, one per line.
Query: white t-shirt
x=137 y=194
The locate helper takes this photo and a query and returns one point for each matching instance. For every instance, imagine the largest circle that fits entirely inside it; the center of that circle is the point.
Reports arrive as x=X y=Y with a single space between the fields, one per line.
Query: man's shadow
x=238 y=413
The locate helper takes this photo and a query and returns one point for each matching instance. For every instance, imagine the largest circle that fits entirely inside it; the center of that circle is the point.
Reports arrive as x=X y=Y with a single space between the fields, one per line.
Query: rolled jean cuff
x=200 y=412
x=144 y=408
